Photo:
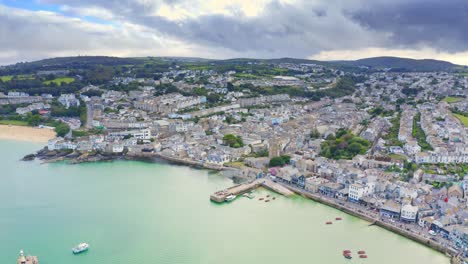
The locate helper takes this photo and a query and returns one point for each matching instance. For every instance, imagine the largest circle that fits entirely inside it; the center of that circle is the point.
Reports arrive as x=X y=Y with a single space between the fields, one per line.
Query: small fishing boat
x=362 y=256
x=261 y=199
x=338 y=218
x=266 y=201
x=248 y=195
x=328 y=223
x=268 y=195
x=274 y=198
x=229 y=198
x=82 y=247
x=347 y=251
x=361 y=252
x=347 y=255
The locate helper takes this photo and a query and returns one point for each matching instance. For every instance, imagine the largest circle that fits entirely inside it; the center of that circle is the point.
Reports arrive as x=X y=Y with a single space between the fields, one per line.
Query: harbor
x=286 y=190
x=239 y=189
x=100 y=201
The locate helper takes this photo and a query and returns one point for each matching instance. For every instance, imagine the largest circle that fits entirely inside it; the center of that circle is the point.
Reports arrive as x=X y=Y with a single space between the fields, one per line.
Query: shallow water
x=142 y=213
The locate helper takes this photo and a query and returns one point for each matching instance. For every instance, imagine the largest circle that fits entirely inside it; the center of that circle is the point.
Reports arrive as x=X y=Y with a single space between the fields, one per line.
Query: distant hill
x=370 y=64
x=403 y=64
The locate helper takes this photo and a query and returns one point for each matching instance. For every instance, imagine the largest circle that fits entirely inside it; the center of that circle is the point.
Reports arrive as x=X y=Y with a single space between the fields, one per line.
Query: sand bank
x=23 y=133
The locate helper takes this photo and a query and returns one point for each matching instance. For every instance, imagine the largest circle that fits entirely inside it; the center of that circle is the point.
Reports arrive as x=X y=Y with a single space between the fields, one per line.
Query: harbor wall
x=427 y=242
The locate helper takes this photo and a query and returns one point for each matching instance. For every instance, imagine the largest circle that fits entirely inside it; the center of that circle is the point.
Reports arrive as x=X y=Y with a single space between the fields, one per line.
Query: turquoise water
x=142 y=213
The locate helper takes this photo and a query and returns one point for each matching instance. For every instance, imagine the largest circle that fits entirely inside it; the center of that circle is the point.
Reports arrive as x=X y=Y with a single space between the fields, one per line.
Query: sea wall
x=427 y=242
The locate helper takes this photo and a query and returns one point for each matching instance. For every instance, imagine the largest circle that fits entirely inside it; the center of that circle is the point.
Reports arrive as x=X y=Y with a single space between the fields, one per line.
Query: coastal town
x=387 y=146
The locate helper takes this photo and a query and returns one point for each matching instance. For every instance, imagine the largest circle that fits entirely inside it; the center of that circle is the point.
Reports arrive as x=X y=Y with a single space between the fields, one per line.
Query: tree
x=61 y=129
x=314 y=134
x=233 y=141
x=276 y=162
x=34 y=120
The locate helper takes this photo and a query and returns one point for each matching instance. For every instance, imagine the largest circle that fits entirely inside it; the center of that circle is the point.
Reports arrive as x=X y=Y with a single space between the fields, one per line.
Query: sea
x=155 y=213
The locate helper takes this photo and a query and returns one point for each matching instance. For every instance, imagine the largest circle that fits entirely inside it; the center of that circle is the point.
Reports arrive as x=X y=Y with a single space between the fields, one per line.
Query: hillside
x=403 y=64
x=369 y=64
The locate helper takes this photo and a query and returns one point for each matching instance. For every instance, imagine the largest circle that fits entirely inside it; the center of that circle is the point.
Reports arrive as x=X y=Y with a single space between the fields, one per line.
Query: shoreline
x=76 y=157
x=26 y=134
x=159 y=158
x=451 y=253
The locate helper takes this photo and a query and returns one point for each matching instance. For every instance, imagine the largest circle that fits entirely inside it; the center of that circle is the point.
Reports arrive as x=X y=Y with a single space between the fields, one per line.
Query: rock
x=29 y=157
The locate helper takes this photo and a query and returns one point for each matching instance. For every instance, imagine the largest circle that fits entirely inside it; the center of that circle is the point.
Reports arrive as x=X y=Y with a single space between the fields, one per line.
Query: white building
x=69 y=100
x=143 y=134
x=357 y=191
x=117 y=148
x=412 y=147
x=409 y=213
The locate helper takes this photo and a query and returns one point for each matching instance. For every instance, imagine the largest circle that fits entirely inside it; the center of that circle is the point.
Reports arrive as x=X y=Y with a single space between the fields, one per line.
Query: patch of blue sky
x=36 y=5
x=97 y=20
x=32 y=5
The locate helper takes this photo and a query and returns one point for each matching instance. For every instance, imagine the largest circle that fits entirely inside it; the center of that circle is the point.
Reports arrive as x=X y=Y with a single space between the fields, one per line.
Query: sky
x=220 y=29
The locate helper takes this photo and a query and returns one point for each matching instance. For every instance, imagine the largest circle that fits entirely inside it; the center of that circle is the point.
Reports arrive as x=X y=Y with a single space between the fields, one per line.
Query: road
x=89 y=115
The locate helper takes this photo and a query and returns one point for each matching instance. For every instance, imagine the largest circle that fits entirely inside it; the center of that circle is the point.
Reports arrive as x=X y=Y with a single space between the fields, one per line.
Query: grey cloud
x=280 y=30
x=32 y=35
x=440 y=24
x=296 y=30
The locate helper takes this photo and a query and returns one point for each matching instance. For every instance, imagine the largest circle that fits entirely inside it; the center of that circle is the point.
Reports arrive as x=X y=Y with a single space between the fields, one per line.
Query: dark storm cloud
x=299 y=28
x=280 y=30
x=441 y=24
x=308 y=27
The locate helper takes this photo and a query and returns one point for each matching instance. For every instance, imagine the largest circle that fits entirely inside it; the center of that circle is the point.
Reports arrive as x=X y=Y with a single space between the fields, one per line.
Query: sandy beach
x=24 y=133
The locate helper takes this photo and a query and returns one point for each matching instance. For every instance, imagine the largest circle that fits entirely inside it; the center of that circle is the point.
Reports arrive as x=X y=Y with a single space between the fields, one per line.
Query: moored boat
x=361 y=252
x=230 y=198
x=338 y=218
x=347 y=255
x=346 y=251
x=261 y=199
x=363 y=256
x=248 y=195
x=82 y=247
x=266 y=201
x=328 y=223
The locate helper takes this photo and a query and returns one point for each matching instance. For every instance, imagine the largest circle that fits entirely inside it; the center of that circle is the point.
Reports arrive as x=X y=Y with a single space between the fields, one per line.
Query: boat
x=248 y=195
x=266 y=201
x=338 y=218
x=432 y=233
x=347 y=255
x=347 y=251
x=363 y=256
x=82 y=247
x=361 y=252
x=328 y=223
x=260 y=199
x=274 y=198
x=230 y=197
x=268 y=195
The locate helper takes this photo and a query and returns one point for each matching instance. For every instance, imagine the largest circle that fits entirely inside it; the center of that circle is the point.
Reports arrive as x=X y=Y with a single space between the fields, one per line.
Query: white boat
x=80 y=248
x=432 y=233
x=230 y=197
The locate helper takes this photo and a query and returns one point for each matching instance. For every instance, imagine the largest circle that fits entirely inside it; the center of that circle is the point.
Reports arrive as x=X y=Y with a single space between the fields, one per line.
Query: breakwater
x=220 y=196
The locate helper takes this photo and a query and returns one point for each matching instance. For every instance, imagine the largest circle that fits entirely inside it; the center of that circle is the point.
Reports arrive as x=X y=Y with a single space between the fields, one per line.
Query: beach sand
x=23 y=133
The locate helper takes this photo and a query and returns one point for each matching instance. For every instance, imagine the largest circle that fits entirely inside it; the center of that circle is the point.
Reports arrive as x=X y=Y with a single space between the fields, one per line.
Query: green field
x=453 y=99
x=397 y=157
x=60 y=80
x=13 y=122
x=462 y=118
x=7 y=78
